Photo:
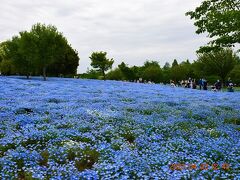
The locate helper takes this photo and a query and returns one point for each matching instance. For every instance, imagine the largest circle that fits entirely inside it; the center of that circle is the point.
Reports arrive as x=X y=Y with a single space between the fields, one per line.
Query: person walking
x=230 y=86
x=194 y=86
x=218 y=85
x=200 y=84
x=204 y=82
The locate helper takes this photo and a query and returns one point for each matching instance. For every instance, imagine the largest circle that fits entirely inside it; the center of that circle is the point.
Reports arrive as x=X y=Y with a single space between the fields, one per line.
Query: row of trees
x=41 y=51
x=44 y=49
x=220 y=19
x=213 y=65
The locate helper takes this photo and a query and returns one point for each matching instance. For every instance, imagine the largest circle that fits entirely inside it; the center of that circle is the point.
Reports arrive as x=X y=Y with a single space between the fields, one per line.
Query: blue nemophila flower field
x=89 y=129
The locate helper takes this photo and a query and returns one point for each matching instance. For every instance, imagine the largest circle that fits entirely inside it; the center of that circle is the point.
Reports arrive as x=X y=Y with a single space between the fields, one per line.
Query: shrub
x=129 y=136
x=232 y=121
x=44 y=158
x=87 y=159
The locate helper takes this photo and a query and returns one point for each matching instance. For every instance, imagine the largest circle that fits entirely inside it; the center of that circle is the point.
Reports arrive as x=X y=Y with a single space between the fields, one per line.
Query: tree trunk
x=223 y=81
x=104 y=75
x=27 y=76
x=44 y=74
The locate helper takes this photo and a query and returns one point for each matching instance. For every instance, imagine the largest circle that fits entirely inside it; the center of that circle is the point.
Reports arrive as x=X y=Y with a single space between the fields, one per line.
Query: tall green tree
x=151 y=71
x=127 y=72
x=221 y=20
x=11 y=56
x=27 y=50
x=166 y=66
x=137 y=71
x=218 y=63
x=66 y=64
x=178 y=73
x=51 y=45
x=166 y=72
x=188 y=68
x=175 y=63
x=101 y=62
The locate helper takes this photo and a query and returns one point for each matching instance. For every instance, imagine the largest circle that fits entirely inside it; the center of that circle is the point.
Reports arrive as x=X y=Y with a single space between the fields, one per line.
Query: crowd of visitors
x=203 y=84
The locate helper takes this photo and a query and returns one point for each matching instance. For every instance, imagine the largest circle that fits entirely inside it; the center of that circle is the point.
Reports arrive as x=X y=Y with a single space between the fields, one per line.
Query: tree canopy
x=51 y=45
x=101 y=62
x=175 y=63
x=218 y=63
x=221 y=20
x=40 y=50
x=127 y=72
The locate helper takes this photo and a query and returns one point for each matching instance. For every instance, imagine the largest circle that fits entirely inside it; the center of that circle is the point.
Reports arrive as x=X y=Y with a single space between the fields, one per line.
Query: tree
x=38 y=50
x=151 y=70
x=137 y=71
x=71 y=61
x=2 y=54
x=175 y=63
x=100 y=62
x=26 y=52
x=221 y=20
x=90 y=74
x=235 y=74
x=198 y=70
x=166 y=66
x=10 y=54
x=150 y=63
x=6 y=67
x=19 y=51
x=153 y=73
x=187 y=66
x=51 y=45
x=218 y=63
x=66 y=64
x=178 y=73
x=127 y=72
x=115 y=74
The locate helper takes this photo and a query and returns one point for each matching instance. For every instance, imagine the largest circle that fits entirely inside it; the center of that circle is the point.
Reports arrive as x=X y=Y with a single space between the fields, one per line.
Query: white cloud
x=129 y=30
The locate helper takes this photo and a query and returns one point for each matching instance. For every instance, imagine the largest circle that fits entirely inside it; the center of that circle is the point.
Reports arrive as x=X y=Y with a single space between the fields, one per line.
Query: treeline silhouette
x=41 y=51
x=45 y=51
x=212 y=66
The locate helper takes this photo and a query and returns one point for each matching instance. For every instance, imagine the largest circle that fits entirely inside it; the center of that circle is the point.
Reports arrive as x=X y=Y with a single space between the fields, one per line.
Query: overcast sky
x=129 y=30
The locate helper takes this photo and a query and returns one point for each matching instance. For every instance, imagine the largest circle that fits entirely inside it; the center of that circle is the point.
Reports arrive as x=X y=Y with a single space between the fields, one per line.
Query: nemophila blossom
x=90 y=129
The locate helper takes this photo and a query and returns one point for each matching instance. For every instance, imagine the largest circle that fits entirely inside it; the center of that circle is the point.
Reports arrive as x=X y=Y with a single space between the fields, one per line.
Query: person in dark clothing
x=200 y=84
x=204 y=82
x=218 y=85
x=189 y=83
x=194 y=86
x=230 y=86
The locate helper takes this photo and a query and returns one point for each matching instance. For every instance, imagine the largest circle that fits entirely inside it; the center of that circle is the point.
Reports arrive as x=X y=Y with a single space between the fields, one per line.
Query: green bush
x=88 y=157
x=44 y=158
x=129 y=136
x=232 y=121
x=115 y=75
